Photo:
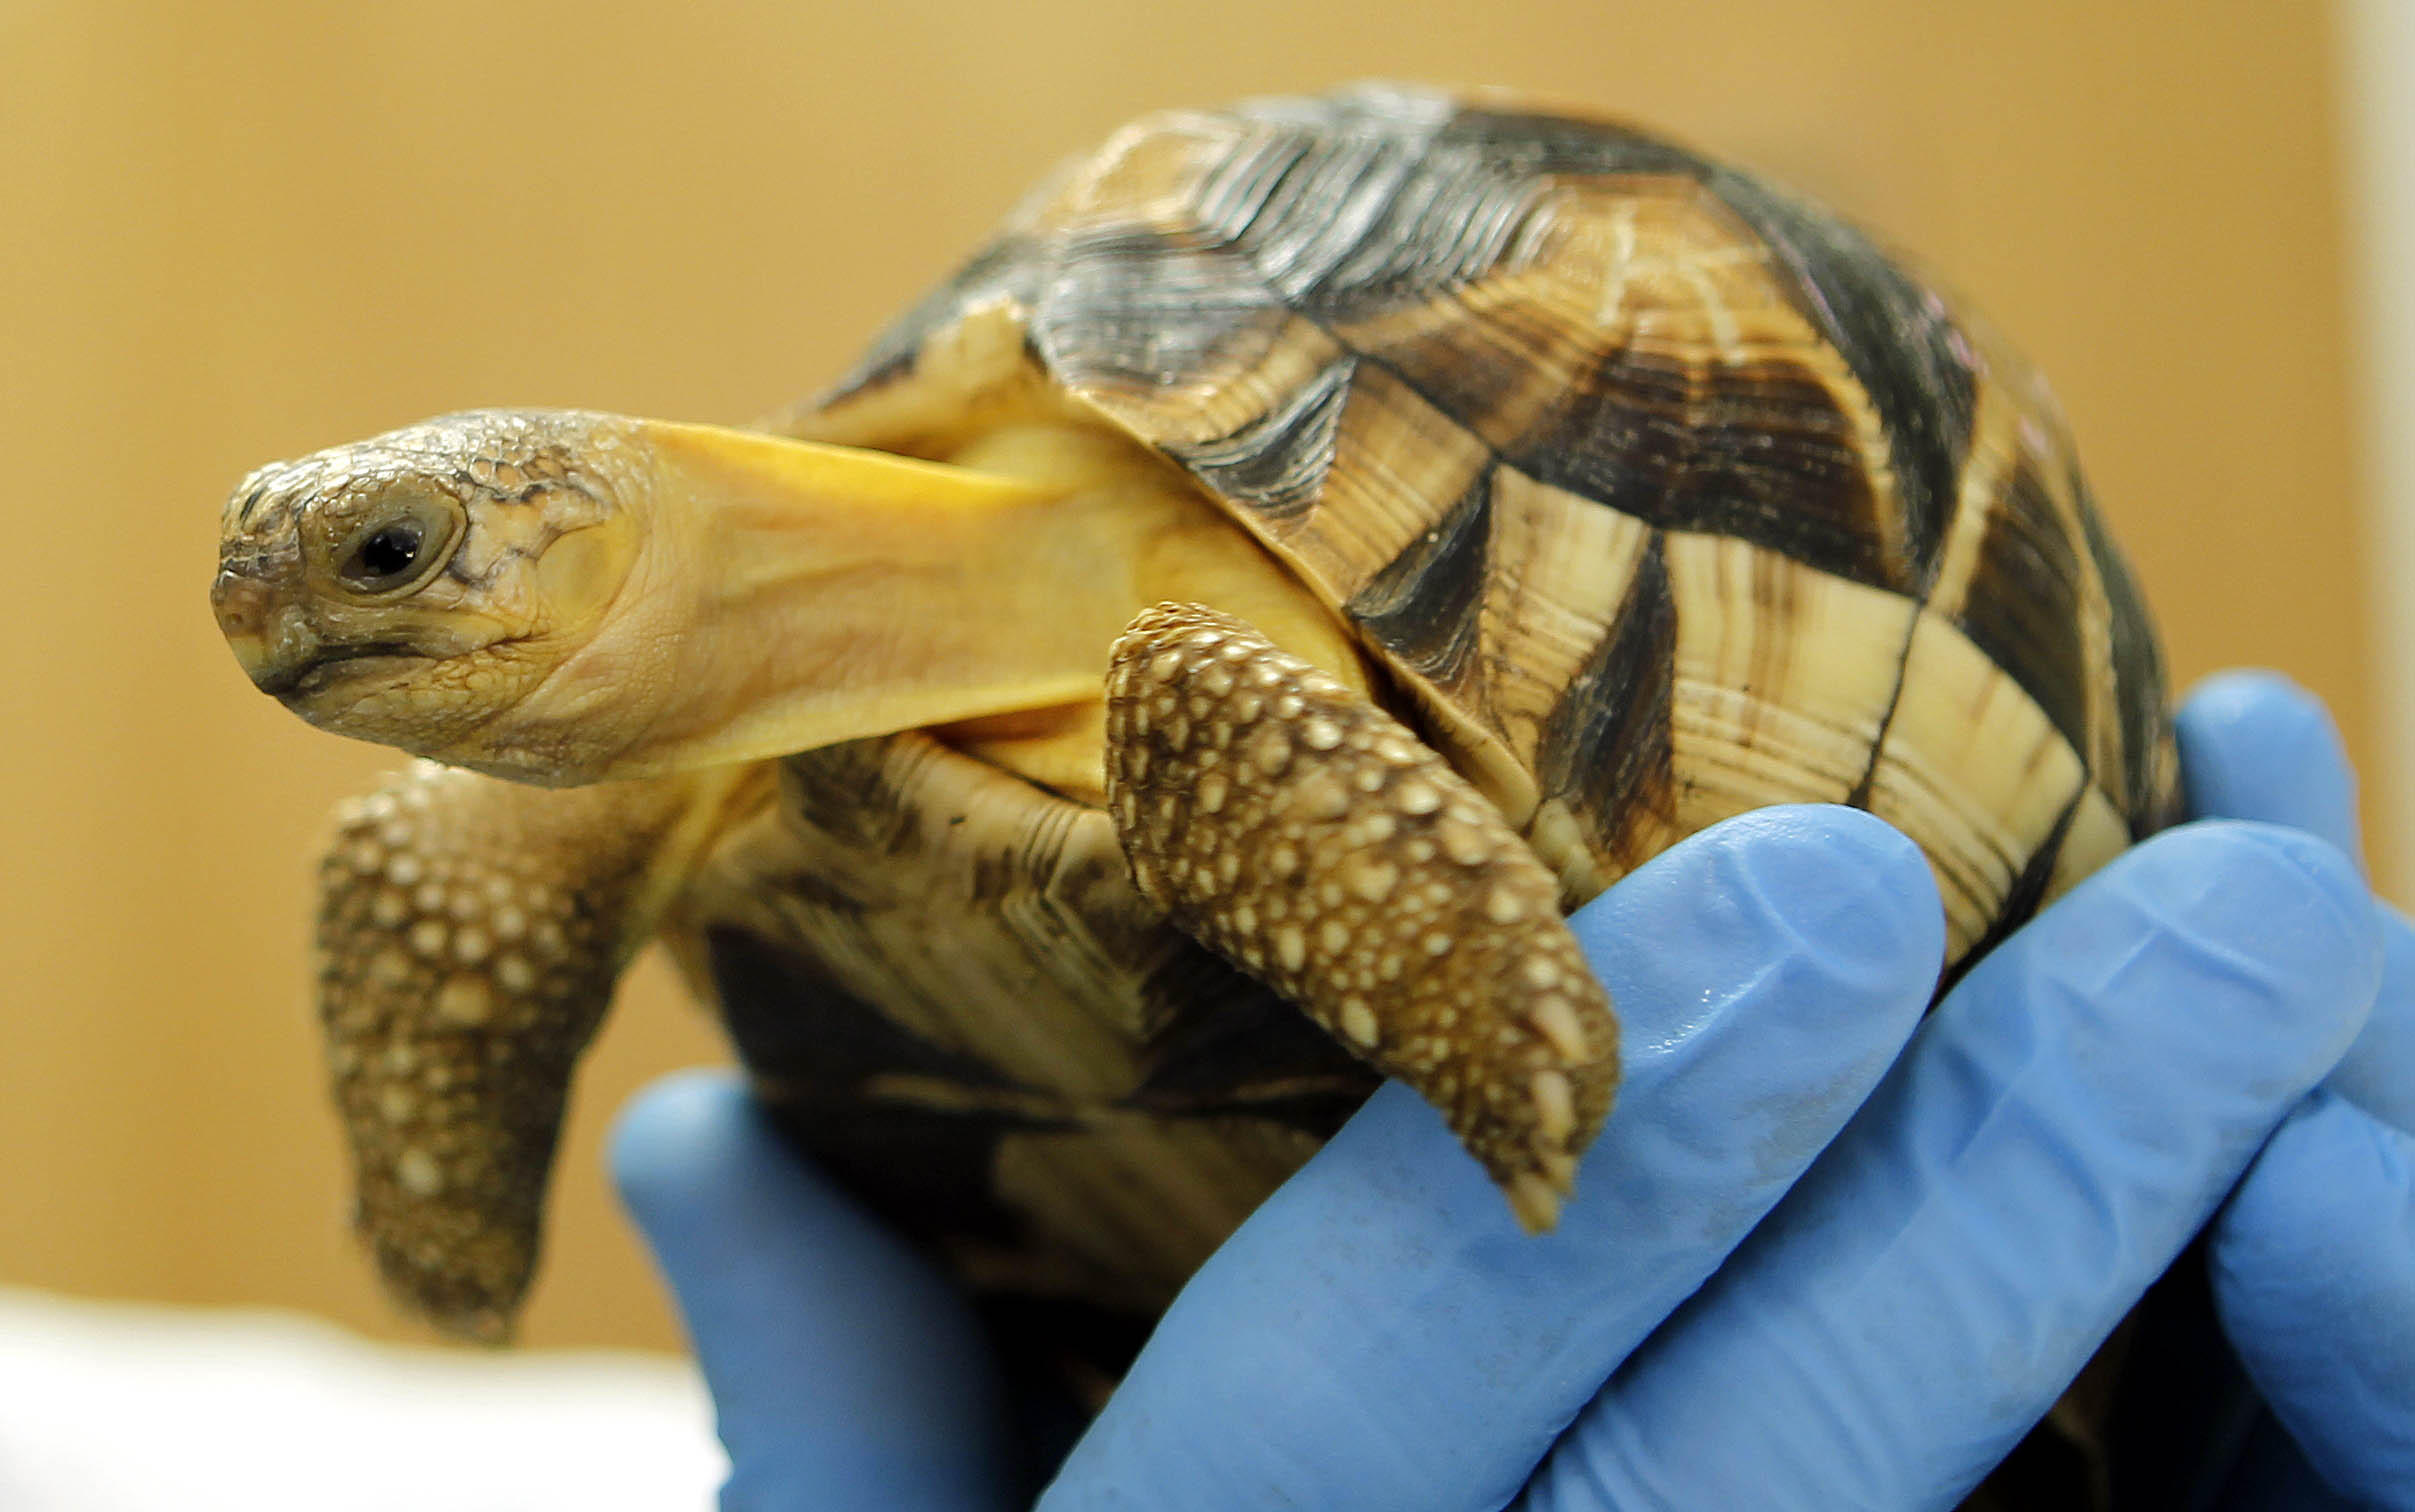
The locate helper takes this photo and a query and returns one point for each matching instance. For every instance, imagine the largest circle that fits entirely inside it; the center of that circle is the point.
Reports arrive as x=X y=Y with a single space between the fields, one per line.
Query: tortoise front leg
x=470 y=933
x=1308 y=836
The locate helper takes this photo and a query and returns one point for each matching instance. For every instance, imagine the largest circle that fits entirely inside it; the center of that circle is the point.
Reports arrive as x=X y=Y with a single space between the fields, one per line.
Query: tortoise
x=1184 y=674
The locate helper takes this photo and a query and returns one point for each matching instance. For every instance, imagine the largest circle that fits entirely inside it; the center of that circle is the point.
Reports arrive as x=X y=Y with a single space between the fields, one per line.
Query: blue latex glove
x=2314 y=1255
x=1379 y=1334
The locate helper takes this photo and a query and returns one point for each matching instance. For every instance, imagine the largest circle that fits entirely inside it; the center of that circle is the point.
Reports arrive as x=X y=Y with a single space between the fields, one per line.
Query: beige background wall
x=235 y=232
x=2376 y=43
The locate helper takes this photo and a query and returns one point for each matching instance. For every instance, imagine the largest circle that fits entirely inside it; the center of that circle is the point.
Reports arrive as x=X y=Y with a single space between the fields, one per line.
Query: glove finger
x=2054 y=1135
x=2254 y=745
x=845 y=1373
x=1380 y=1334
x=2313 y=1264
x=2378 y=1072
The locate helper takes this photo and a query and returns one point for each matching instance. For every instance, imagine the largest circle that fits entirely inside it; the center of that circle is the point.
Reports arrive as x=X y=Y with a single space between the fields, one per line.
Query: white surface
x=2377 y=45
x=126 y=1407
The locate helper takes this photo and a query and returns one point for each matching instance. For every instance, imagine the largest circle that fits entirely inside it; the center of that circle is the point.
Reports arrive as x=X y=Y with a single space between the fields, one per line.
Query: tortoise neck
x=794 y=595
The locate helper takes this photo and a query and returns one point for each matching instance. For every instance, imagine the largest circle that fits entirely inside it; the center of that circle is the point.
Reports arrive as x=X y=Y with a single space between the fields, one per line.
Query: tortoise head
x=561 y=597
x=412 y=588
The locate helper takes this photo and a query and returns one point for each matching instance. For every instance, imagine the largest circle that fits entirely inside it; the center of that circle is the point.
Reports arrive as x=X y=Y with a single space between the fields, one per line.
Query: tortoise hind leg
x=470 y=933
x=1309 y=837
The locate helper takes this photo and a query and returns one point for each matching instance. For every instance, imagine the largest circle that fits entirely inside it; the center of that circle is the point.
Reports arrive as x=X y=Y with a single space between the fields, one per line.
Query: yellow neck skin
x=789 y=595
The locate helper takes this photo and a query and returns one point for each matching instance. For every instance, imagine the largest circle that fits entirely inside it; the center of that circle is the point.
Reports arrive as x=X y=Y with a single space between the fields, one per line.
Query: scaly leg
x=1312 y=839
x=470 y=933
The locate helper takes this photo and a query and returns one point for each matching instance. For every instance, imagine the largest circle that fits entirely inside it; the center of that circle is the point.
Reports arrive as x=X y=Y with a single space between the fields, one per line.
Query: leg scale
x=1312 y=839
x=470 y=933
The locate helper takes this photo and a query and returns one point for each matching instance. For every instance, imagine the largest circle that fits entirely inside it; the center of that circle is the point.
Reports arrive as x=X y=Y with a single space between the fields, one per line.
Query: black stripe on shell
x=2138 y=677
x=1341 y=174
x=1388 y=196
x=813 y=1048
x=1447 y=221
x=791 y=1020
x=1426 y=604
x=2022 y=606
x=1230 y=1048
x=1760 y=451
x=1277 y=463
x=1606 y=747
x=1236 y=188
x=1136 y=308
x=1466 y=364
x=2021 y=901
x=1565 y=145
x=1896 y=336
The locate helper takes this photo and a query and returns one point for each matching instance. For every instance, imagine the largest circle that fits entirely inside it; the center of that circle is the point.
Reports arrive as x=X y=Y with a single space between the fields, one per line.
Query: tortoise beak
x=273 y=648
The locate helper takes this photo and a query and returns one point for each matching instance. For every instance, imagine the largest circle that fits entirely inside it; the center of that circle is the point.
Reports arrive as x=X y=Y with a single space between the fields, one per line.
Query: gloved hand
x=2313 y=1257
x=1914 y=1290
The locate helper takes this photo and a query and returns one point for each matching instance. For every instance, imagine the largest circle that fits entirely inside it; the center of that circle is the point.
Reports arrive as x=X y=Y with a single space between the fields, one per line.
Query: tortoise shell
x=1652 y=494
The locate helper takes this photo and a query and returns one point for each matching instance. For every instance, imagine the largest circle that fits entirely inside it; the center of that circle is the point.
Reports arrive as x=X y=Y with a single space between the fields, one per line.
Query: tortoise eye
x=390 y=553
x=400 y=550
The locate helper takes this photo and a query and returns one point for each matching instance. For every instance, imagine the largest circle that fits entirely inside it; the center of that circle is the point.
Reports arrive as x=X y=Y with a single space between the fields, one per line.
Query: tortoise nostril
x=241 y=604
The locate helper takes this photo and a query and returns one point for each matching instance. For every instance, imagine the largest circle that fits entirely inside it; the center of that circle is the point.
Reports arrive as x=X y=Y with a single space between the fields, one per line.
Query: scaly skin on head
x=406 y=588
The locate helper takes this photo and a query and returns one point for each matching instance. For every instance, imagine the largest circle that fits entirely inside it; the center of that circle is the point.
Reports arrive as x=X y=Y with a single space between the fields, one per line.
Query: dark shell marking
x=1657 y=495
